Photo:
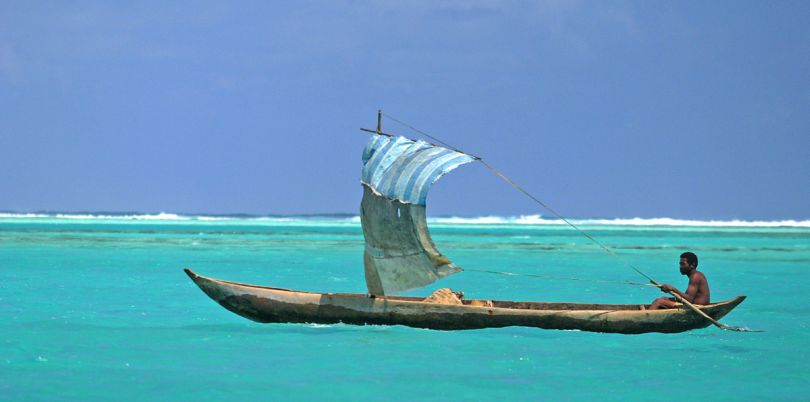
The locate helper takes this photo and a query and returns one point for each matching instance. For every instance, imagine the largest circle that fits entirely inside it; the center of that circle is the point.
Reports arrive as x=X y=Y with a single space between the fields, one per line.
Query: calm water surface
x=100 y=309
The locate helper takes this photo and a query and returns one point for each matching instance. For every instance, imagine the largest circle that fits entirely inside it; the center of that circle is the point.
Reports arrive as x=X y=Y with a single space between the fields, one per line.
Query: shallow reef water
x=98 y=308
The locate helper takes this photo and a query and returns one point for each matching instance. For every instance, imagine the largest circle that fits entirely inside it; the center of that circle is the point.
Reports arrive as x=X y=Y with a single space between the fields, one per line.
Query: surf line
x=520 y=188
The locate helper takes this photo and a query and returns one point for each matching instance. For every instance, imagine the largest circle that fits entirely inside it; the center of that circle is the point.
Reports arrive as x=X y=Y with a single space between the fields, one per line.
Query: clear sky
x=695 y=110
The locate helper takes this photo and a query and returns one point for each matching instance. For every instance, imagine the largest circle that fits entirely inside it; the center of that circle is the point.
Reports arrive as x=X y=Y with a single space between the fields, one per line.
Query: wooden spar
x=376 y=132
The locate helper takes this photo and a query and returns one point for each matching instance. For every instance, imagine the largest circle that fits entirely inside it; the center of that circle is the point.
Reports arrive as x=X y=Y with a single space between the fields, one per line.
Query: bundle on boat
x=445 y=296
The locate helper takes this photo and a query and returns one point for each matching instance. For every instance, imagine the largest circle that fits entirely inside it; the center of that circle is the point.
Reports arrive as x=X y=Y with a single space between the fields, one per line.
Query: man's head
x=689 y=262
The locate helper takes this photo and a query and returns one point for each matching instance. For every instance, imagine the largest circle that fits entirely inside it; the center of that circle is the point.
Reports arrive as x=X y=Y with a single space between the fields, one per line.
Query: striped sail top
x=403 y=169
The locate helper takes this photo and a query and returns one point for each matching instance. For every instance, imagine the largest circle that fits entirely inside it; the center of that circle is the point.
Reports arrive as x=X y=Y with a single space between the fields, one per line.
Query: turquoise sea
x=98 y=308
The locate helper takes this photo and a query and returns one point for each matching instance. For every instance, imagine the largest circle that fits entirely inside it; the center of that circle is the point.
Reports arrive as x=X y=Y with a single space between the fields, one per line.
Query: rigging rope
x=563 y=278
x=428 y=135
x=525 y=192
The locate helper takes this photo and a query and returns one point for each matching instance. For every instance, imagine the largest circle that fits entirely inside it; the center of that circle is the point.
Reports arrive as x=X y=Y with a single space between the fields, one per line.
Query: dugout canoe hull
x=274 y=305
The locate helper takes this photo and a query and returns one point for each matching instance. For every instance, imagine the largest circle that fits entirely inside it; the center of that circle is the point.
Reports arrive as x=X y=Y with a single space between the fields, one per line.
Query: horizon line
x=521 y=219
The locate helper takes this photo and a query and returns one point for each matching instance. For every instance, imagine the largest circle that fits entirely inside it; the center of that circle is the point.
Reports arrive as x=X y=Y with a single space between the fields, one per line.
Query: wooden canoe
x=275 y=305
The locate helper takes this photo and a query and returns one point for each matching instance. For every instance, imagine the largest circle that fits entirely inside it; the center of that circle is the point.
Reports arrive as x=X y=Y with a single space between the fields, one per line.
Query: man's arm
x=691 y=291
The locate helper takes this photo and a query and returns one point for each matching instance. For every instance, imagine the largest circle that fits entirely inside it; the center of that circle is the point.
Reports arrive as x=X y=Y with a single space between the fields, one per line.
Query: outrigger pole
x=556 y=214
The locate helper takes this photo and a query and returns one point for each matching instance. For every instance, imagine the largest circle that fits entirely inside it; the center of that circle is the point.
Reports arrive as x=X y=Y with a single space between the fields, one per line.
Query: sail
x=397 y=174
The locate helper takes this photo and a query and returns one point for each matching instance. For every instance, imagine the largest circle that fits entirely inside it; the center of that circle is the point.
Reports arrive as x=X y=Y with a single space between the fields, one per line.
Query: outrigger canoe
x=274 y=305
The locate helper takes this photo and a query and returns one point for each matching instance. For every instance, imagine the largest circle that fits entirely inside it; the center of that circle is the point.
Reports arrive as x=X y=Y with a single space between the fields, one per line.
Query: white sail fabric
x=397 y=174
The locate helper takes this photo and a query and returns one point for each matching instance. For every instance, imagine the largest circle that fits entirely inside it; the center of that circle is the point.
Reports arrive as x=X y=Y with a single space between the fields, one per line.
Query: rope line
x=563 y=278
x=429 y=136
x=532 y=197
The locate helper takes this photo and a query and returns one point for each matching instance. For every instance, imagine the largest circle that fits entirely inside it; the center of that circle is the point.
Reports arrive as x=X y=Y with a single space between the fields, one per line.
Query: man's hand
x=667 y=288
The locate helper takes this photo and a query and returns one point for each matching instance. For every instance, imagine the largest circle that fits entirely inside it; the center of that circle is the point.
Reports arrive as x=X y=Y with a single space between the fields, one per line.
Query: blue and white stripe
x=403 y=169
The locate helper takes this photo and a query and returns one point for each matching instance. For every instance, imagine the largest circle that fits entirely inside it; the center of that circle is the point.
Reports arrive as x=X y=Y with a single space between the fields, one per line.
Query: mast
x=397 y=174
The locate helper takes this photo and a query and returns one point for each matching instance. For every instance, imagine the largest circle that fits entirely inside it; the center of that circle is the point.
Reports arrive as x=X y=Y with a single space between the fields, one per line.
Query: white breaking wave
x=688 y=222
x=453 y=220
x=160 y=216
x=163 y=216
x=539 y=220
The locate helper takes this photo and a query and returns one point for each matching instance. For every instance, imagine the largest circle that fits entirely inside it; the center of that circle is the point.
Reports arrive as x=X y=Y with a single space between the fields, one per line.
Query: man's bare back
x=698 y=290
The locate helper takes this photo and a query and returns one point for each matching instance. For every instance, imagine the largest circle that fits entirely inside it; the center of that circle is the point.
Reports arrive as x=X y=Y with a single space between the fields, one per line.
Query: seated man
x=696 y=293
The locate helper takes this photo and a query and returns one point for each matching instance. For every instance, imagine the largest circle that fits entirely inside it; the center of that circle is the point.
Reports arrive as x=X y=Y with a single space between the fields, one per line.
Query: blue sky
x=697 y=110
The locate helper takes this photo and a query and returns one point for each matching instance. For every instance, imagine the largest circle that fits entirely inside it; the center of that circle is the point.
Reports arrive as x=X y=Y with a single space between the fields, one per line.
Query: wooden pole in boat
x=695 y=309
